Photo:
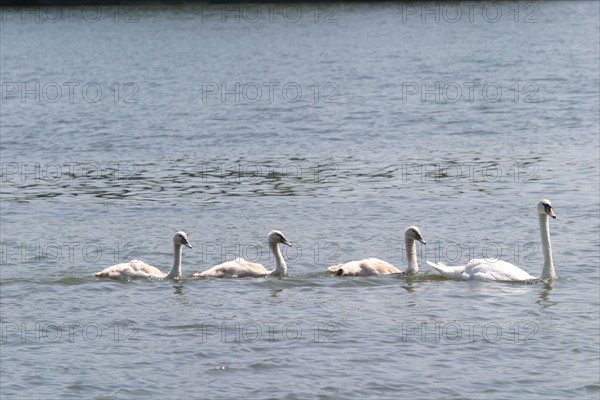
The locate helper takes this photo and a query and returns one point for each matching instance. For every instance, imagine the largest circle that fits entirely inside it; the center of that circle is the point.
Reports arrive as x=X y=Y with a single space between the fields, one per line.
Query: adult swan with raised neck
x=498 y=270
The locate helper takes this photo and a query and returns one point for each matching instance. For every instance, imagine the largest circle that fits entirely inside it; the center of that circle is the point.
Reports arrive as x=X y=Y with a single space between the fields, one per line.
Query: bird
x=375 y=266
x=139 y=269
x=499 y=270
x=240 y=268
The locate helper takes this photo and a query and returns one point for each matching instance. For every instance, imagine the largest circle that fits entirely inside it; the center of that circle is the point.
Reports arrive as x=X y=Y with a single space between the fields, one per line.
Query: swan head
x=413 y=233
x=276 y=237
x=180 y=239
x=544 y=207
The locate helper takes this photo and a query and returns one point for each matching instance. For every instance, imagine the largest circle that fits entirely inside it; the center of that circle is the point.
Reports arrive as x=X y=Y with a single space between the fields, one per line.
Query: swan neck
x=280 y=265
x=411 y=255
x=175 y=272
x=548 y=269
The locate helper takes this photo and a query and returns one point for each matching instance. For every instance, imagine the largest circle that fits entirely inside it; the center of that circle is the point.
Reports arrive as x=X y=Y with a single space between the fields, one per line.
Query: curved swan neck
x=548 y=270
x=411 y=255
x=280 y=265
x=175 y=272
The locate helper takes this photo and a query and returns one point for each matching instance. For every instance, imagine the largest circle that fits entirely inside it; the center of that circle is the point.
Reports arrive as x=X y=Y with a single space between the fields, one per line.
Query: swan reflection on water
x=544 y=299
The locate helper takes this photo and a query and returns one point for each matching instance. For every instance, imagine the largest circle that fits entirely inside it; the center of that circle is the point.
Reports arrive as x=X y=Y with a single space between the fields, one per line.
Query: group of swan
x=479 y=269
x=237 y=268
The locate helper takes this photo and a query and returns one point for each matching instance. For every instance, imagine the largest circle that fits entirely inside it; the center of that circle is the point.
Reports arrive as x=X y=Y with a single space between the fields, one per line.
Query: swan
x=375 y=266
x=498 y=270
x=139 y=269
x=240 y=268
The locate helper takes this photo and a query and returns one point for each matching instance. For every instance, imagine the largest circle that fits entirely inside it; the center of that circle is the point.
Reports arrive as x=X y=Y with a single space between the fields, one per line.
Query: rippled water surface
x=339 y=125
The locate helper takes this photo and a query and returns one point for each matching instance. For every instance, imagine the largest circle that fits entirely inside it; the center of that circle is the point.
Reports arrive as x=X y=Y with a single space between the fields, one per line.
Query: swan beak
x=186 y=243
x=422 y=240
x=548 y=209
x=286 y=242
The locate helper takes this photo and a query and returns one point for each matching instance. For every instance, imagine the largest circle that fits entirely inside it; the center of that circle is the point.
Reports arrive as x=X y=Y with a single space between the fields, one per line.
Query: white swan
x=375 y=266
x=240 y=268
x=482 y=269
x=139 y=269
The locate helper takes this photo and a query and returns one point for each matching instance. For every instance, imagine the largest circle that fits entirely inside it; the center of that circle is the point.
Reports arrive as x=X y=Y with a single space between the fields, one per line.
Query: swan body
x=498 y=270
x=138 y=269
x=375 y=266
x=240 y=268
x=365 y=267
x=484 y=270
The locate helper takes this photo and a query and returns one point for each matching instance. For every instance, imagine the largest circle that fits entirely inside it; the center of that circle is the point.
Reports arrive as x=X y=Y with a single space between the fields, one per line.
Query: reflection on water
x=178 y=288
x=544 y=296
x=410 y=288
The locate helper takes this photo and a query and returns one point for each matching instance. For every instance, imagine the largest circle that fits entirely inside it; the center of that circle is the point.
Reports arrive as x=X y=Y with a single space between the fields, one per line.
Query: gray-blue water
x=339 y=125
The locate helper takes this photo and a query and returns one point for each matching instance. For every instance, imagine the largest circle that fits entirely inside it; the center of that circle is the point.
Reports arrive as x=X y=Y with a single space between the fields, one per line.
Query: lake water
x=340 y=125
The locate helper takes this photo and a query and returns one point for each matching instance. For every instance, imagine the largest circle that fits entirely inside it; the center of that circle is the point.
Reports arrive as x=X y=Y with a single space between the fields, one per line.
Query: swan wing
x=495 y=270
x=238 y=268
x=382 y=267
x=483 y=269
x=130 y=270
x=457 y=272
x=353 y=268
x=366 y=267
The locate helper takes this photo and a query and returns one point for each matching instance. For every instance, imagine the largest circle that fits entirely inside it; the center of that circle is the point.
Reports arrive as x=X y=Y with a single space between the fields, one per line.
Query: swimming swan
x=482 y=269
x=240 y=268
x=139 y=269
x=375 y=266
